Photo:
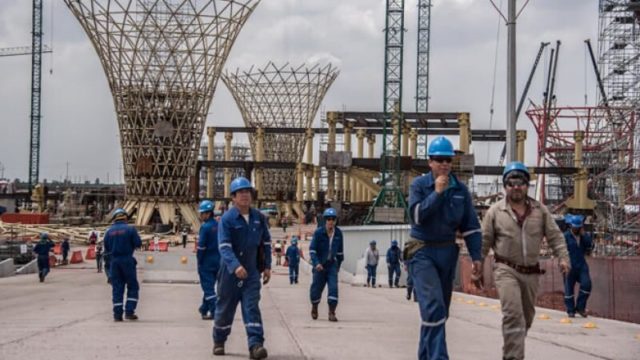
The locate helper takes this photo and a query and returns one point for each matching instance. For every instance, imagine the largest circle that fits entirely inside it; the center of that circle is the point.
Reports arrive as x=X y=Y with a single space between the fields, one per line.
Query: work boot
x=332 y=313
x=41 y=277
x=117 y=318
x=218 y=348
x=314 y=311
x=131 y=316
x=258 y=352
x=572 y=315
x=206 y=316
x=583 y=313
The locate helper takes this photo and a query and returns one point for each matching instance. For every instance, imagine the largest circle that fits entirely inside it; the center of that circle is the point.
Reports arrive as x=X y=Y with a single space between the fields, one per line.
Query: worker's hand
x=241 y=273
x=564 y=266
x=266 y=276
x=441 y=183
x=319 y=267
x=476 y=274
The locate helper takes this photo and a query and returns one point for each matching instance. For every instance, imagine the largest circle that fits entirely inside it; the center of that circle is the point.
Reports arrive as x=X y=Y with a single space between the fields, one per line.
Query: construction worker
x=394 y=258
x=208 y=259
x=120 y=241
x=440 y=206
x=184 y=235
x=371 y=256
x=278 y=251
x=514 y=228
x=99 y=257
x=65 y=250
x=245 y=249
x=293 y=258
x=326 y=252
x=579 y=245
x=42 y=249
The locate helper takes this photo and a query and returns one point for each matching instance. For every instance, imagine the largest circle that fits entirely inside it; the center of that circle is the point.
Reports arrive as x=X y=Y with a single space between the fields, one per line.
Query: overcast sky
x=78 y=119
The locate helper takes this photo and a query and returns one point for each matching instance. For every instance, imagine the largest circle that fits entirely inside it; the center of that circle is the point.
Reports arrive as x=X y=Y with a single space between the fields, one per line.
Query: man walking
x=65 y=250
x=120 y=241
x=208 y=258
x=371 y=256
x=42 y=249
x=245 y=248
x=293 y=258
x=440 y=206
x=184 y=235
x=579 y=245
x=394 y=257
x=514 y=228
x=326 y=252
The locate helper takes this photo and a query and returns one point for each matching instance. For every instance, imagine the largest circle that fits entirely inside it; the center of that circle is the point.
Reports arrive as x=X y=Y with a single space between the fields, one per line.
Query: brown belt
x=535 y=269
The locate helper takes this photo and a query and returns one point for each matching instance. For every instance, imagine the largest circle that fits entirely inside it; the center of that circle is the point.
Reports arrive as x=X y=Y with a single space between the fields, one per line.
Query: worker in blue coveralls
x=394 y=258
x=326 y=252
x=65 y=250
x=440 y=206
x=43 y=248
x=293 y=258
x=245 y=249
x=208 y=259
x=120 y=241
x=579 y=244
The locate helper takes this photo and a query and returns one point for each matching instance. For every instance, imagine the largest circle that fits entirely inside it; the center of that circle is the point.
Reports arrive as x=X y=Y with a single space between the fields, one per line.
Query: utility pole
x=511 y=82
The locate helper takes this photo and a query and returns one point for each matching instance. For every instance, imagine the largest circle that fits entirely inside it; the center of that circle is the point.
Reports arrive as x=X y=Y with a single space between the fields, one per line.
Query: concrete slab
x=30 y=268
x=7 y=268
x=69 y=317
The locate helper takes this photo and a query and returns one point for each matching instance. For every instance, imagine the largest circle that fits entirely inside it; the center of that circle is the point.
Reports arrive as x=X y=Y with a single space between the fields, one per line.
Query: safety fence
x=614 y=294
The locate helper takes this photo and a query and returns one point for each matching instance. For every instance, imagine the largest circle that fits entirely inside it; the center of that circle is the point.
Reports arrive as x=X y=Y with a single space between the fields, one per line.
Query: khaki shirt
x=521 y=246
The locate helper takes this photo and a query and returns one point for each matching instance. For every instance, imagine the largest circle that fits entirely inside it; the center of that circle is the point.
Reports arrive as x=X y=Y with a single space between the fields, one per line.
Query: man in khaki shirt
x=514 y=228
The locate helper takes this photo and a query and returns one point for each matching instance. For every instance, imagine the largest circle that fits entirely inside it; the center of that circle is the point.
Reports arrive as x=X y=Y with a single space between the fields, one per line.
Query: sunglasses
x=441 y=159
x=516 y=182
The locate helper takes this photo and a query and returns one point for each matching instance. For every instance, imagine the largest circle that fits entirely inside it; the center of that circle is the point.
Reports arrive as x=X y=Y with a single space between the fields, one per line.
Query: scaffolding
x=239 y=152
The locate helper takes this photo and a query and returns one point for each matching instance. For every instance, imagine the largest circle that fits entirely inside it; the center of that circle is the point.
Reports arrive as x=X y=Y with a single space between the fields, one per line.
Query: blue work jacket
x=394 y=255
x=208 y=254
x=238 y=241
x=319 y=248
x=577 y=251
x=293 y=255
x=437 y=217
x=43 y=248
x=121 y=240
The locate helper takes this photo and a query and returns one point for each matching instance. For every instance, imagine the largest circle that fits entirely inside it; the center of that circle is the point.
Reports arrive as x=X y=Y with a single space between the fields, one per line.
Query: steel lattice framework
x=280 y=97
x=162 y=59
x=422 y=67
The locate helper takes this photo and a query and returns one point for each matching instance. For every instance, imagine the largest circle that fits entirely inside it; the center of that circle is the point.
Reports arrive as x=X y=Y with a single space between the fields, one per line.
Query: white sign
x=23 y=249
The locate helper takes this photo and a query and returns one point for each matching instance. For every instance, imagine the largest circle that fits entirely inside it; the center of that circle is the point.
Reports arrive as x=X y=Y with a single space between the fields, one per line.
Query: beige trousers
x=517 y=294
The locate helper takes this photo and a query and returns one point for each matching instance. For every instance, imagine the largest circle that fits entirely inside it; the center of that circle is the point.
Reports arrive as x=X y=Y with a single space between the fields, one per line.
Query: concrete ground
x=69 y=317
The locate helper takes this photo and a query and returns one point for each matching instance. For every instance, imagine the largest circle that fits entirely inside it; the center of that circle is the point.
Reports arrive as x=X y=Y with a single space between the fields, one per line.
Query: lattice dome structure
x=162 y=59
x=280 y=97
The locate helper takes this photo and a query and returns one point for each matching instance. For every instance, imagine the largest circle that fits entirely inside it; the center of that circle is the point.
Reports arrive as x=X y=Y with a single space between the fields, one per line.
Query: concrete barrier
x=30 y=268
x=7 y=268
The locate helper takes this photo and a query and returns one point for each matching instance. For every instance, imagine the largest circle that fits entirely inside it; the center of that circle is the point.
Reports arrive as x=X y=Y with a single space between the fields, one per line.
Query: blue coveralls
x=293 y=258
x=208 y=264
x=238 y=242
x=579 y=272
x=120 y=241
x=65 y=250
x=435 y=219
x=43 y=248
x=330 y=258
x=394 y=255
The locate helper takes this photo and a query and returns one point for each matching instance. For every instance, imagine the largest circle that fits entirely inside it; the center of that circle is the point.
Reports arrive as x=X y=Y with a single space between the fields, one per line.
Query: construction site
x=165 y=61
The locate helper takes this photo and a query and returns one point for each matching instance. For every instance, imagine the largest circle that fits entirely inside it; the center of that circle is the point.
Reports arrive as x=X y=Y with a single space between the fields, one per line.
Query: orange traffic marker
x=183 y=260
x=590 y=325
x=544 y=317
x=495 y=307
x=150 y=259
x=565 y=321
x=57 y=249
x=460 y=299
x=471 y=302
x=482 y=304
x=91 y=253
x=76 y=257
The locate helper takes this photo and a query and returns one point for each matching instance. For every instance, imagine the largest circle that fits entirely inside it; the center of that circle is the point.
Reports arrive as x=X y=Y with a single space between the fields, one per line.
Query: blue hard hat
x=240 y=183
x=576 y=221
x=330 y=212
x=440 y=146
x=44 y=235
x=294 y=240
x=372 y=242
x=394 y=242
x=119 y=213
x=515 y=166
x=205 y=206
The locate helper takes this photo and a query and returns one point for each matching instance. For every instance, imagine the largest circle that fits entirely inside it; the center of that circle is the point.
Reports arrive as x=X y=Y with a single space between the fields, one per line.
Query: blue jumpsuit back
x=208 y=257
x=394 y=255
x=293 y=258
x=579 y=272
x=43 y=248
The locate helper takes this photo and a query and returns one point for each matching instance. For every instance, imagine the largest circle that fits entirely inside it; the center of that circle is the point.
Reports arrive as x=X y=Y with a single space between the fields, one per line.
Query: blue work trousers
x=293 y=273
x=394 y=269
x=432 y=270
x=123 y=272
x=43 y=265
x=232 y=290
x=208 y=285
x=329 y=277
x=577 y=275
x=371 y=274
x=107 y=266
